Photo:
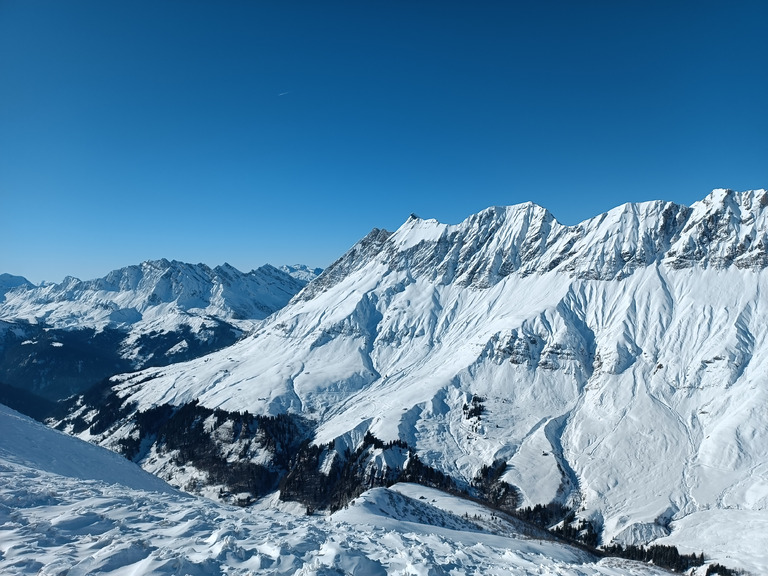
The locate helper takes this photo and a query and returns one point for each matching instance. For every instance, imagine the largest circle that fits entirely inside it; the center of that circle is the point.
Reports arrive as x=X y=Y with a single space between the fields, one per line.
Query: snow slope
x=67 y=507
x=620 y=363
x=28 y=444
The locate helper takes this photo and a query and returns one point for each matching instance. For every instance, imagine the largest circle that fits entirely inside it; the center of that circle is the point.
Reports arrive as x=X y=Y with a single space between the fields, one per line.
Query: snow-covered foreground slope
x=67 y=507
x=617 y=366
x=31 y=445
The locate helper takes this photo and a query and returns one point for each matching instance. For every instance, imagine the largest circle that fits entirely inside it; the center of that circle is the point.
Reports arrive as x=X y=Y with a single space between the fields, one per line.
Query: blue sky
x=282 y=132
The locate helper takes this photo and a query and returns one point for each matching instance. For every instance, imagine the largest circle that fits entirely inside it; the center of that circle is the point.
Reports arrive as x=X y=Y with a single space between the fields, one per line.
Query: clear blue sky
x=282 y=132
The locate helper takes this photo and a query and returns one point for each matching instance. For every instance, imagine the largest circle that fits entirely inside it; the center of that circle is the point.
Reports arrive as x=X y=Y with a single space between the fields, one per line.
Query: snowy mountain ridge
x=9 y=281
x=60 y=339
x=301 y=272
x=616 y=367
x=151 y=291
x=725 y=228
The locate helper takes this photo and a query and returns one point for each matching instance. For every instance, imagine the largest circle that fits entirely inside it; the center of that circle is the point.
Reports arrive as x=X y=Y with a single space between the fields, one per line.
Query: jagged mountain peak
x=722 y=197
x=491 y=216
x=523 y=209
x=228 y=269
x=152 y=290
x=725 y=228
x=10 y=282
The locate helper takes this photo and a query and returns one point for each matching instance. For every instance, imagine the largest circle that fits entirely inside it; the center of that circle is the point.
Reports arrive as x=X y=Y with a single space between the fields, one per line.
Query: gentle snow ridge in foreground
x=53 y=520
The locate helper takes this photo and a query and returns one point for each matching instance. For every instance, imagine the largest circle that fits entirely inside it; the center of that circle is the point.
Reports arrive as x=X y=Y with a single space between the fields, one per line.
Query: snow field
x=52 y=524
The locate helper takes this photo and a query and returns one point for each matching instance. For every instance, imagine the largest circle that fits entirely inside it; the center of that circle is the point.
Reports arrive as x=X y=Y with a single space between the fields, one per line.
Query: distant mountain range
x=302 y=272
x=59 y=339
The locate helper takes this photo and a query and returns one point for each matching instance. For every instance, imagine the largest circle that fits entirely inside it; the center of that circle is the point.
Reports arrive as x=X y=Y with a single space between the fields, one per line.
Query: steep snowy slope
x=31 y=445
x=617 y=366
x=68 y=507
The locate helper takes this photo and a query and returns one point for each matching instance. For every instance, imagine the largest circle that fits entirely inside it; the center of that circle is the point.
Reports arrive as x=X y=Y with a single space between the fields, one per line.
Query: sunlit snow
x=622 y=362
x=63 y=520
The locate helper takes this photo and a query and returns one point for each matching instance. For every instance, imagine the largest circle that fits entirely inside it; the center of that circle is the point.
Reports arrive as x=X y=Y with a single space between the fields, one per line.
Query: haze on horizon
x=282 y=133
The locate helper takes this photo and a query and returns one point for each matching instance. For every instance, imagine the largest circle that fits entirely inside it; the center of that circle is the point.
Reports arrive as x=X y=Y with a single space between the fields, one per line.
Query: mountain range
x=613 y=370
x=60 y=339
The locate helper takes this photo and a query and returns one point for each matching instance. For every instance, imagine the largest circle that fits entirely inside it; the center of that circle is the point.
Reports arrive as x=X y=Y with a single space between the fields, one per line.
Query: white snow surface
x=622 y=362
x=31 y=445
x=72 y=519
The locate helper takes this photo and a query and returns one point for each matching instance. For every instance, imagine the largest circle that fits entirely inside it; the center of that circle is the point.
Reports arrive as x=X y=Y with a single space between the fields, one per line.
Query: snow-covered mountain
x=9 y=281
x=59 y=339
x=68 y=507
x=617 y=367
x=302 y=272
x=160 y=293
